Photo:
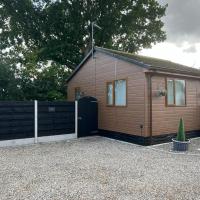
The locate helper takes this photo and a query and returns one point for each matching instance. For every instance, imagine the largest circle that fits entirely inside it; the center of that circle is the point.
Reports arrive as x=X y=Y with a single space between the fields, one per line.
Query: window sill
x=116 y=106
x=176 y=106
x=110 y=105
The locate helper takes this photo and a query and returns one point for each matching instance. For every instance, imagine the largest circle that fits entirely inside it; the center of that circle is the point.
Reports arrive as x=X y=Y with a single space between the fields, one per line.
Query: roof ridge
x=119 y=54
x=147 y=62
x=139 y=55
x=150 y=61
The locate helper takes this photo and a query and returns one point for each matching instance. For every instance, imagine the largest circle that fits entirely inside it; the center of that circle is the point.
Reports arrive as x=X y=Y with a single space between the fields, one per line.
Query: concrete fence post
x=76 y=118
x=36 y=120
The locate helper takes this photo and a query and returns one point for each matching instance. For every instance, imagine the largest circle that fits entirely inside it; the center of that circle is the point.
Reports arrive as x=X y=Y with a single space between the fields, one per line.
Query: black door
x=87 y=116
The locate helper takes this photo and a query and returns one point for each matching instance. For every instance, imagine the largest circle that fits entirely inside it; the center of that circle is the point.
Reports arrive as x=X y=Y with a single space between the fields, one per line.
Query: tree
x=45 y=84
x=42 y=40
x=31 y=80
x=60 y=30
x=9 y=84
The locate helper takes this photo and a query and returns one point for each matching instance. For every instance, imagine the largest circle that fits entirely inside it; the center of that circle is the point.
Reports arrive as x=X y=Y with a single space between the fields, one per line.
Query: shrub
x=181 y=131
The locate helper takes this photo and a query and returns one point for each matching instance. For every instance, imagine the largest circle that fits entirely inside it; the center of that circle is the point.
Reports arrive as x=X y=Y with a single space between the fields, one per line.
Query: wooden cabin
x=141 y=99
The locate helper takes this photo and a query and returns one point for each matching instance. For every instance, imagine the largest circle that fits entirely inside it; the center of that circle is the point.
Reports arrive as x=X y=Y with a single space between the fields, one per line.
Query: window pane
x=180 y=92
x=120 y=92
x=170 y=92
x=110 y=94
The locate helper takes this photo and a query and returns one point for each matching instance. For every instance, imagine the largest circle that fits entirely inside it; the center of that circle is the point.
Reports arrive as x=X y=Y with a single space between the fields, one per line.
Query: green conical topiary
x=181 y=131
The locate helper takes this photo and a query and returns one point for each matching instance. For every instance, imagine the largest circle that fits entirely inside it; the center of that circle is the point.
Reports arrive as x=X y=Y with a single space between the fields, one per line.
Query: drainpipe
x=150 y=106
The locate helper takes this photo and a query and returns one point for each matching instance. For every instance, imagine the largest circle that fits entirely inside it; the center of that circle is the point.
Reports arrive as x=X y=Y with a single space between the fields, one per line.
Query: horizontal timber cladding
x=56 y=118
x=16 y=120
x=165 y=119
x=92 y=79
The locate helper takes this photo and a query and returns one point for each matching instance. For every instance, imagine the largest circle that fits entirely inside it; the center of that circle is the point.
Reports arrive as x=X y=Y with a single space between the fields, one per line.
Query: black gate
x=87 y=116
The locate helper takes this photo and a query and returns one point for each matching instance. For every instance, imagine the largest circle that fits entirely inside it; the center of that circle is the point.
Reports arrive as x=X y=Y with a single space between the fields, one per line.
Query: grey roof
x=156 y=63
x=143 y=61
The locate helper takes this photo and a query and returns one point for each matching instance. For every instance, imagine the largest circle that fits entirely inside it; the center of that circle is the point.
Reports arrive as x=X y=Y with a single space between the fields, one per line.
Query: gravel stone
x=97 y=168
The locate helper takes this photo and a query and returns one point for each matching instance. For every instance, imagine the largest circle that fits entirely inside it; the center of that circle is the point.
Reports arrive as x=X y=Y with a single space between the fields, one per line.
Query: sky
x=182 y=26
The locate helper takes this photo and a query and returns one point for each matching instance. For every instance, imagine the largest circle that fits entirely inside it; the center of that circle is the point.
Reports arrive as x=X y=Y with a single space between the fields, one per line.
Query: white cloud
x=173 y=53
x=191 y=49
x=182 y=21
x=182 y=26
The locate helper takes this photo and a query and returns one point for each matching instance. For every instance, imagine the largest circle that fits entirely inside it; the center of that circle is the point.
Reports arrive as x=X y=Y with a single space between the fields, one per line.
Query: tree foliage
x=42 y=40
x=31 y=80
x=44 y=84
x=59 y=30
x=9 y=84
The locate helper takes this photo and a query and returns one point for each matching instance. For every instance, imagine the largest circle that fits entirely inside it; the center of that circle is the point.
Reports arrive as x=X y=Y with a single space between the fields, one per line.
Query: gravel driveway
x=97 y=168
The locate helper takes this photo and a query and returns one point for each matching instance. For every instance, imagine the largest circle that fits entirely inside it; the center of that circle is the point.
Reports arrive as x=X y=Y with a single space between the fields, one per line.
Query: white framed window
x=117 y=93
x=180 y=92
x=120 y=92
x=170 y=92
x=176 y=92
x=110 y=98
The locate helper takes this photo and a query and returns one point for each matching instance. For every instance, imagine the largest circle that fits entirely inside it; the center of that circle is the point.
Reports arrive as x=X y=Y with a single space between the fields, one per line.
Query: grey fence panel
x=56 y=118
x=16 y=120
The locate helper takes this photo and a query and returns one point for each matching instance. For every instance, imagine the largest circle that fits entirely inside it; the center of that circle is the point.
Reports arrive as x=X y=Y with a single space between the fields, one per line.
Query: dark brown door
x=87 y=116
